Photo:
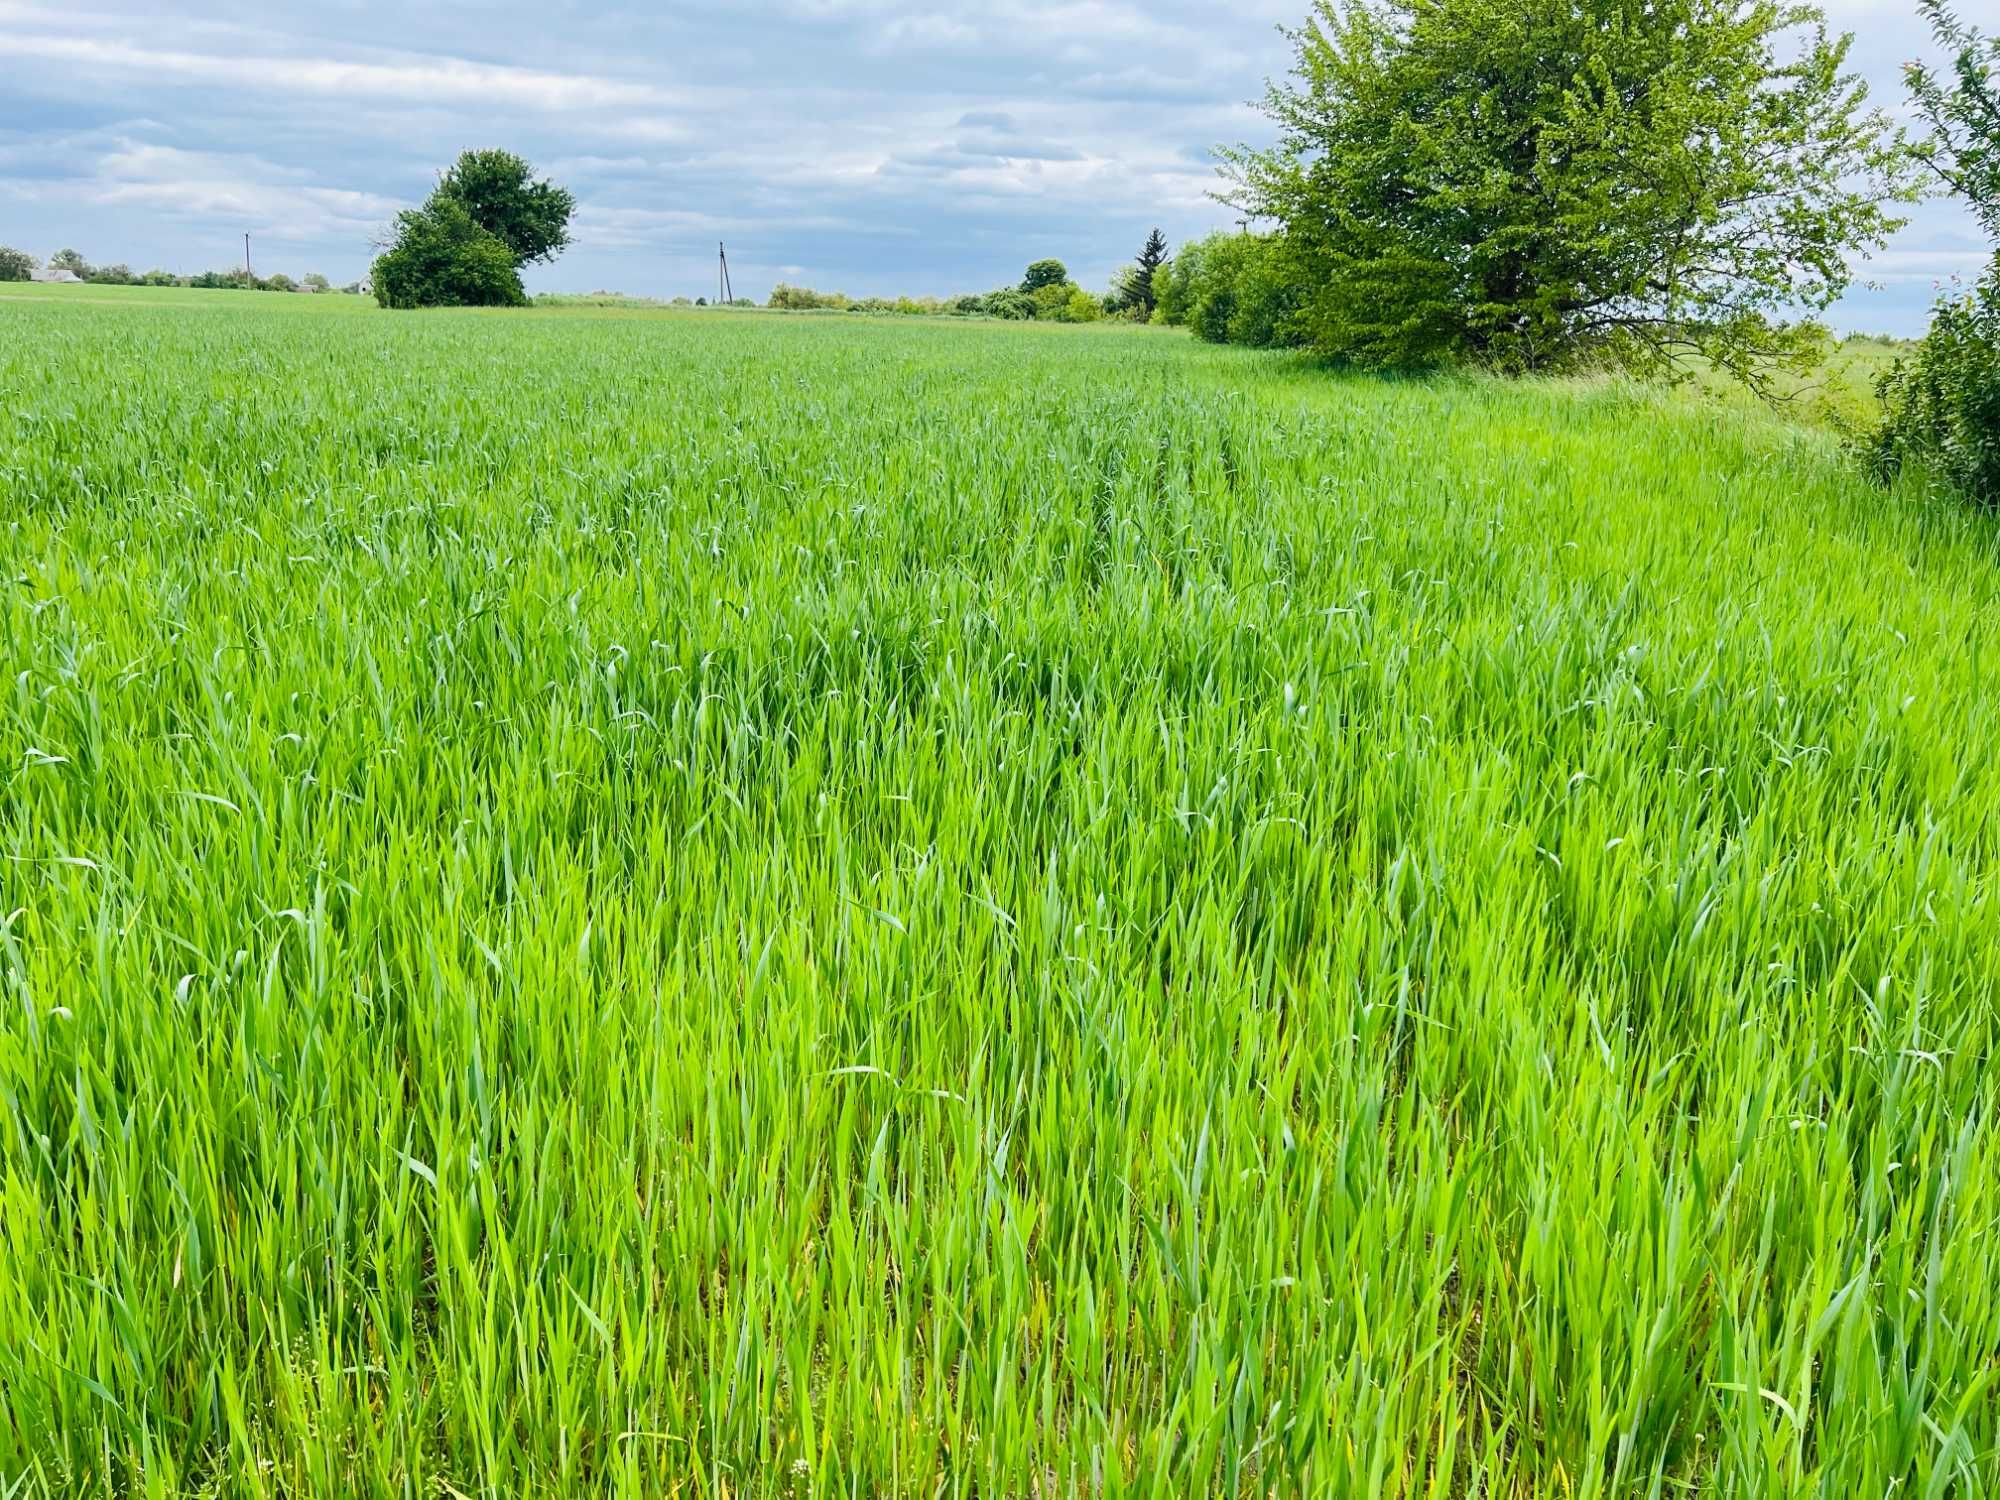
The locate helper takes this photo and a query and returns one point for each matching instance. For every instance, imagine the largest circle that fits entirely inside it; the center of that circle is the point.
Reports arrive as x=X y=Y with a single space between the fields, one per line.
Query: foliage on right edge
x=1532 y=183
x=1942 y=408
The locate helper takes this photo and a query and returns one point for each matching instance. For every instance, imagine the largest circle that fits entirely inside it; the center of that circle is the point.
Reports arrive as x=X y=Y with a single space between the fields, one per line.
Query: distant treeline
x=1046 y=293
x=1075 y=305
x=18 y=265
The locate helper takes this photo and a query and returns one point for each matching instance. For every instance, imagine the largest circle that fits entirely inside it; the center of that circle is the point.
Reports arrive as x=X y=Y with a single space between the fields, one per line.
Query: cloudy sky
x=868 y=145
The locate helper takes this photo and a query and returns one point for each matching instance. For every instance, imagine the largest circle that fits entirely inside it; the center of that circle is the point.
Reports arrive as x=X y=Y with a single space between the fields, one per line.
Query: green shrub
x=1174 y=287
x=441 y=258
x=1050 y=300
x=805 y=299
x=1081 y=307
x=234 y=279
x=1941 y=408
x=1016 y=306
x=1233 y=289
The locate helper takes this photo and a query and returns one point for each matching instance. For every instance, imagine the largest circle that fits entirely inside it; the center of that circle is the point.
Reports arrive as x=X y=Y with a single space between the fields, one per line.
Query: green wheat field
x=647 y=904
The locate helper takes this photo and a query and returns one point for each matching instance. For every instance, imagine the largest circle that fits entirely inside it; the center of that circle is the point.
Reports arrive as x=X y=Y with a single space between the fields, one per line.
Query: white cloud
x=432 y=81
x=1894 y=267
x=199 y=187
x=244 y=188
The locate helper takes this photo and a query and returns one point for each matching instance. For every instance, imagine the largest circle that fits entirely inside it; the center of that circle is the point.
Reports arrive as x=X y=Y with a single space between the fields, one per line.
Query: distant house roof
x=53 y=275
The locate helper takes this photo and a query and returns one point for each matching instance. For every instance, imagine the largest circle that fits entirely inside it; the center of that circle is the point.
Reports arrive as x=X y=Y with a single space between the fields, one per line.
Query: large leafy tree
x=1530 y=182
x=505 y=199
x=16 y=265
x=487 y=217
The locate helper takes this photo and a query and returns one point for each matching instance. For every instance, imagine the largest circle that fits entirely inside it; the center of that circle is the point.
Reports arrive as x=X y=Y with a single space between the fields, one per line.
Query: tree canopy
x=465 y=247
x=1961 y=107
x=501 y=193
x=16 y=265
x=1524 y=182
x=1044 y=273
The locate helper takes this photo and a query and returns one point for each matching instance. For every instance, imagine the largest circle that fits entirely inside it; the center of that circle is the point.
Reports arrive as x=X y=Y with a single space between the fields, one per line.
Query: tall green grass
x=645 y=905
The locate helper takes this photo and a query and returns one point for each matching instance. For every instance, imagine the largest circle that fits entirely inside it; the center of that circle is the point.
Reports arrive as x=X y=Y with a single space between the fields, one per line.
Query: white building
x=45 y=274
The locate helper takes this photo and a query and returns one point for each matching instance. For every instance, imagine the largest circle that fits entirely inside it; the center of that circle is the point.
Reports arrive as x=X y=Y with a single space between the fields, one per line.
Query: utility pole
x=724 y=292
x=246 y=256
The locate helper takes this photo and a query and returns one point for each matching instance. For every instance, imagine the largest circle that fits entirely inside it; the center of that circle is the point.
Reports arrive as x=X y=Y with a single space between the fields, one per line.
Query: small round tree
x=1044 y=273
x=487 y=218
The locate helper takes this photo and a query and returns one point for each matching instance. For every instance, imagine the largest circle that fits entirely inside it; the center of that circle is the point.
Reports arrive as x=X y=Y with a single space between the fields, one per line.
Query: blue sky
x=872 y=146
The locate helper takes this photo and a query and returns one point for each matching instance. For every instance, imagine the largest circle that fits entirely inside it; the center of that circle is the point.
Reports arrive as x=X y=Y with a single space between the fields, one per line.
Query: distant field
x=1838 y=394
x=644 y=903
x=177 y=297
